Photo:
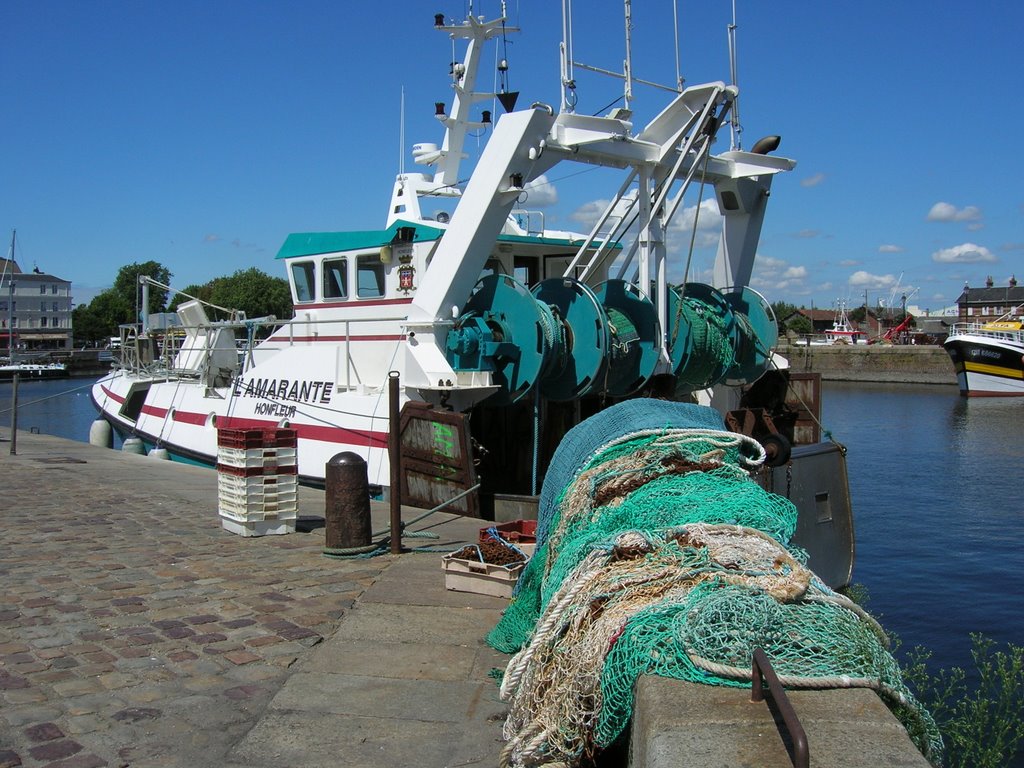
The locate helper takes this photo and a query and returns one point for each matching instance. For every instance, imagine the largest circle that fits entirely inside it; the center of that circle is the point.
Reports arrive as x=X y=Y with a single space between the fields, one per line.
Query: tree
x=89 y=325
x=126 y=285
x=782 y=310
x=250 y=290
x=801 y=325
x=99 y=319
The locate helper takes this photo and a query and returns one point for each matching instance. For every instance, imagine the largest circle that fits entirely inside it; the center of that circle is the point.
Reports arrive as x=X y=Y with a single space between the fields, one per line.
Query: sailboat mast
x=10 y=299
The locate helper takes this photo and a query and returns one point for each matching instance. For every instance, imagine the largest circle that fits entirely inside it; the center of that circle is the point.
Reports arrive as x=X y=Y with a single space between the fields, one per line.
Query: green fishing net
x=661 y=556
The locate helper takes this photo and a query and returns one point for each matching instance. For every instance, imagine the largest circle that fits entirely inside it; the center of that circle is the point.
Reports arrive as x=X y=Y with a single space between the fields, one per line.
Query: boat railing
x=155 y=355
x=340 y=330
x=530 y=221
x=980 y=329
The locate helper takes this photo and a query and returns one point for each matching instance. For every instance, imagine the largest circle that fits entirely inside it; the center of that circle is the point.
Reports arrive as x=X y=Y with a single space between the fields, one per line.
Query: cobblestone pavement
x=133 y=629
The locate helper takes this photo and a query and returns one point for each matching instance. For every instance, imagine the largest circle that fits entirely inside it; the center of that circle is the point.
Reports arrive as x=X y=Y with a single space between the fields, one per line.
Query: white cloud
x=967 y=253
x=813 y=181
x=772 y=275
x=889 y=248
x=807 y=234
x=861 y=280
x=588 y=213
x=949 y=212
x=541 y=193
x=709 y=226
x=211 y=238
x=849 y=263
x=709 y=223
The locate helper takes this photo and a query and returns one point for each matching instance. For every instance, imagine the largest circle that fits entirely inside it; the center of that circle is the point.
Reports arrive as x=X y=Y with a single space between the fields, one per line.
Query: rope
x=48 y=397
x=382 y=546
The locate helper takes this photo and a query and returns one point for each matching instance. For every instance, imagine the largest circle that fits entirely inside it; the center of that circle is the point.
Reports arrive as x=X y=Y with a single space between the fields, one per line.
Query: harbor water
x=937 y=489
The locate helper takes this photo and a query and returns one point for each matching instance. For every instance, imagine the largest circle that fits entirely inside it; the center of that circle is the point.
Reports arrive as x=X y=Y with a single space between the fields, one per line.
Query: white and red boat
x=501 y=333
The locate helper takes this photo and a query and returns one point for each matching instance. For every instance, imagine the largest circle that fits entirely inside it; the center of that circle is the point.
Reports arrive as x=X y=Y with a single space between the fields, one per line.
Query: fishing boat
x=8 y=370
x=494 y=333
x=842 y=331
x=989 y=357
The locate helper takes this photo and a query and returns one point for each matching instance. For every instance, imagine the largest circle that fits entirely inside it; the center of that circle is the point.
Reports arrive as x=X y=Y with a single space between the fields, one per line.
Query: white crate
x=249 y=509
x=256 y=457
x=257 y=527
x=462 y=575
x=257 y=485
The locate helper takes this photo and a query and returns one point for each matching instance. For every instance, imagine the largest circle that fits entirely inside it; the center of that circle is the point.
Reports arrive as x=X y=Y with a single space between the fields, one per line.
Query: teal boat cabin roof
x=316 y=243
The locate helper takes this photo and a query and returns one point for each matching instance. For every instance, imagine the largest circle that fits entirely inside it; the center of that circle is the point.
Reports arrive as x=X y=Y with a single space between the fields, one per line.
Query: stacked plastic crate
x=257 y=480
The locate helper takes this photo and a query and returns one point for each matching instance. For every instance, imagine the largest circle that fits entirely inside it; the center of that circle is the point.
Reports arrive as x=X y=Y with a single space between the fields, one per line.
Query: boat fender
x=159 y=453
x=100 y=434
x=133 y=445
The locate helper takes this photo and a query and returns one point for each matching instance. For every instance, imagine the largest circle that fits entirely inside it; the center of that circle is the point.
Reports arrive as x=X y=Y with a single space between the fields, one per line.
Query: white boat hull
x=184 y=418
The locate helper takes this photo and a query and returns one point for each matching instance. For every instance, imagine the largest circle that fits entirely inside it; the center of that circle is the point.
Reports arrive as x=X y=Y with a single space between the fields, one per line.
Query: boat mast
x=734 y=121
x=10 y=299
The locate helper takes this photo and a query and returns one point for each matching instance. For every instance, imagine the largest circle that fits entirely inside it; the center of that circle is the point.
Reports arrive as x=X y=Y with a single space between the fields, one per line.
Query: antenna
x=565 y=49
x=627 y=65
x=401 y=134
x=675 y=32
x=735 y=127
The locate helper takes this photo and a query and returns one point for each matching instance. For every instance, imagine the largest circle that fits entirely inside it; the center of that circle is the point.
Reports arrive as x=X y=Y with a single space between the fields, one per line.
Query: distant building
x=981 y=305
x=821 y=319
x=35 y=309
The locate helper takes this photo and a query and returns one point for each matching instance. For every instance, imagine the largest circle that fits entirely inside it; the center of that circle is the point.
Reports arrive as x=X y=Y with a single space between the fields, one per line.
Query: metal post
x=761 y=667
x=14 y=414
x=347 y=497
x=394 y=455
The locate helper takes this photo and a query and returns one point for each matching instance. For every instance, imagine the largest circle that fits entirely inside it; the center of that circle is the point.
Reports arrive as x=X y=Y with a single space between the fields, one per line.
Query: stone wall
x=876 y=362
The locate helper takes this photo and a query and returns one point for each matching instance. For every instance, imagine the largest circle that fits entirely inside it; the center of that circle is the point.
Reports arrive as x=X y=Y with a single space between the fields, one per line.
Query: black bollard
x=347 y=512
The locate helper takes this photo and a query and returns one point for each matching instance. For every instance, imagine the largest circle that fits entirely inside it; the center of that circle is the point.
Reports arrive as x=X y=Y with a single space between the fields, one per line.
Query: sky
x=200 y=134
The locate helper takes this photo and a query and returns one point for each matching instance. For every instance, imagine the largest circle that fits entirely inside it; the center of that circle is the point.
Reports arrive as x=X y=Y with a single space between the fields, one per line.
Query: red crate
x=282 y=438
x=247 y=439
x=516 y=531
x=244 y=439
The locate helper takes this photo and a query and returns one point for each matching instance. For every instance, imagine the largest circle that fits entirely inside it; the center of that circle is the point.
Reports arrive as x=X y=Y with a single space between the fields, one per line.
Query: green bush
x=982 y=724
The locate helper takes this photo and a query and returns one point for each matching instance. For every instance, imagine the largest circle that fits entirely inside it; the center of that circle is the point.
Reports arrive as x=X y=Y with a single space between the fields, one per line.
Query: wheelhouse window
x=336 y=278
x=369 y=276
x=304 y=279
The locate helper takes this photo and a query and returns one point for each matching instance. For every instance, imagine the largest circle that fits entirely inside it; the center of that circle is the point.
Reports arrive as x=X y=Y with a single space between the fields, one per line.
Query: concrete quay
x=135 y=631
x=880 y=363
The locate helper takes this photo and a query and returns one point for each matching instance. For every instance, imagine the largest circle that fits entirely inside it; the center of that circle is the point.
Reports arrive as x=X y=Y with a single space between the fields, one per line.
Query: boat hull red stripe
x=360 y=437
x=355 y=304
x=357 y=437
x=198 y=419
x=115 y=397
